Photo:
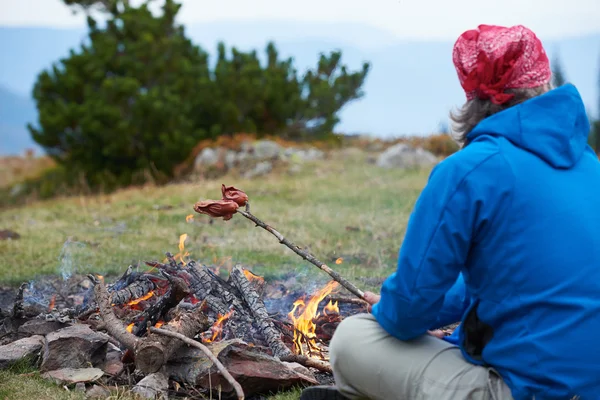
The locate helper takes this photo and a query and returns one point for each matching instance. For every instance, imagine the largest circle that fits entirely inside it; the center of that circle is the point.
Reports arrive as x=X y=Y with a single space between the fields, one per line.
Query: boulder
x=153 y=386
x=265 y=150
x=73 y=375
x=404 y=156
x=208 y=157
x=256 y=371
x=20 y=349
x=76 y=346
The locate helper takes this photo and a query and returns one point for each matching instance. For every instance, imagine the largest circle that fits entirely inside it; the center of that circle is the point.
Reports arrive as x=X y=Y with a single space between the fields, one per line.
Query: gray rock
x=74 y=347
x=208 y=157
x=20 y=349
x=153 y=386
x=262 y=168
x=230 y=159
x=40 y=327
x=97 y=392
x=265 y=150
x=73 y=375
x=404 y=156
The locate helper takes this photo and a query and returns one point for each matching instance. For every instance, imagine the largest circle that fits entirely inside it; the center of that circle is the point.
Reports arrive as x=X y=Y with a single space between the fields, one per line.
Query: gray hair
x=476 y=110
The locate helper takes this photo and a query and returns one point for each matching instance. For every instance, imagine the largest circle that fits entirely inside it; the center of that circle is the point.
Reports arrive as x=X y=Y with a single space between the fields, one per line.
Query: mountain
x=410 y=89
x=15 y=112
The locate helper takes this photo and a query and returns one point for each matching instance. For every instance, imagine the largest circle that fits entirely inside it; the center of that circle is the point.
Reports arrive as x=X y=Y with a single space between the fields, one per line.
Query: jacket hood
x=554 y=126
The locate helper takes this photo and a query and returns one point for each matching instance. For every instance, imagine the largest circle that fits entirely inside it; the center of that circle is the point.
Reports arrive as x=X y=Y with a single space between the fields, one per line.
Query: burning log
x=271 y=334
x=208 y=353
x=154 y=351
x=141 y=287
x=177 y=292
x=112 y=324
x=151 y=352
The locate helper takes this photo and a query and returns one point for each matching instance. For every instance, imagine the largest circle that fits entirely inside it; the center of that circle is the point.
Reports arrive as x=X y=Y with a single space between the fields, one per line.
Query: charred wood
x=178 y=291
x=154 y=351
x=271 y=334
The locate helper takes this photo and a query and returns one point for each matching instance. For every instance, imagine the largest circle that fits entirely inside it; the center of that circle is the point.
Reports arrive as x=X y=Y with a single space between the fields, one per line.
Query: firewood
x=209 y=354
x=142 y=286
x=271 y=334
x=177 y=291
x=18 y=309
x=112 y=324
x=308 y=362
x=154 y=351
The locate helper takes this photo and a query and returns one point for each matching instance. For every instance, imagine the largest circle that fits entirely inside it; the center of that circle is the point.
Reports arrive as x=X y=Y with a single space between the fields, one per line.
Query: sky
x=404 y=19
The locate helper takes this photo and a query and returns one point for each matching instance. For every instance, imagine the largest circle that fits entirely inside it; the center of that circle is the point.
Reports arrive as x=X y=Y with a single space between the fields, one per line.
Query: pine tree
x=122 y=105
x=140 y=95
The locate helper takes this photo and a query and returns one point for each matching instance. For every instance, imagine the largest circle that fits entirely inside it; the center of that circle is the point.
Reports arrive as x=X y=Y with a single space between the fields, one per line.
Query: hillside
x=411 y=88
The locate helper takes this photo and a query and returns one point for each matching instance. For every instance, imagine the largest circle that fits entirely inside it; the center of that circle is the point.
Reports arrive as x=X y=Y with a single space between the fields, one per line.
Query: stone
x=29 y=347
x=153 y=386
x=40 y=327
x=230 y=159
x=404 y=156
x=80 y=387
x=256 y=371
x=76 y=346
x=69 y=376
x=208 y=157
x=97 y=392
x=112 y=367
x=265 y=150
x=262 y=168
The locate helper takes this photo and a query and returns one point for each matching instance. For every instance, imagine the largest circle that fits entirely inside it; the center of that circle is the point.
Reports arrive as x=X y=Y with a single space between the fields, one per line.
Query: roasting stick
x=303 y=253
x=238 y=388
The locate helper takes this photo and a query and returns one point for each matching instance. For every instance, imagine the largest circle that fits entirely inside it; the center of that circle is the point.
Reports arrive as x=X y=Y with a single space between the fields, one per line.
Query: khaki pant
x=368 y=363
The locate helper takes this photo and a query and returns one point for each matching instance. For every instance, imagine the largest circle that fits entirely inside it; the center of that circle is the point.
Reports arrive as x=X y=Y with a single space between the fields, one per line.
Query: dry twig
x=238 y=388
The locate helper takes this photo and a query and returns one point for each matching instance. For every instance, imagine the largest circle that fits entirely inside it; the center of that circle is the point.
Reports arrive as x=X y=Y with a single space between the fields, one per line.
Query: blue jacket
x=509 y=226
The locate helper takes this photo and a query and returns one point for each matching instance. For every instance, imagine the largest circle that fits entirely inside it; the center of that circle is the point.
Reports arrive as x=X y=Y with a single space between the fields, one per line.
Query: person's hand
x=372 y=299
x=438 y=333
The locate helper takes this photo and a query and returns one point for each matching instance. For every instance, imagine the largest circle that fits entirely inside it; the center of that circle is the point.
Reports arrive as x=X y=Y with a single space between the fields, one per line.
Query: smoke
x=71 y=258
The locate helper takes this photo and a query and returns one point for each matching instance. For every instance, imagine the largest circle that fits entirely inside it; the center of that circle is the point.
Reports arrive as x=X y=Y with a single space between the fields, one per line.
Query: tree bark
x=270 y=333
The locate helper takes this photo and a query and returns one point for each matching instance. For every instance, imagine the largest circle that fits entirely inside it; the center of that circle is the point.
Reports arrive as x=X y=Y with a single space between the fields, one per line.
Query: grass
x=343 y=207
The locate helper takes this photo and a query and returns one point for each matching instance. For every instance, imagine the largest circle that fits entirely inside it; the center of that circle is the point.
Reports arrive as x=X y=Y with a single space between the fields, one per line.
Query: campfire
x=266 y=340
x=178 y=326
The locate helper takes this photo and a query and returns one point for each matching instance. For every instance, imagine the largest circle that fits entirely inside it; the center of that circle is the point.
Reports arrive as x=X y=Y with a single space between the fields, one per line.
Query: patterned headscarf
x=492 y=58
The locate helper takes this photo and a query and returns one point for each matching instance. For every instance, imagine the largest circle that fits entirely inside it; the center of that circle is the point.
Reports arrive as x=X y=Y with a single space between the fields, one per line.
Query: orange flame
x=251 y=277
x=130 y=327
x=304 y=327
x=331 y=308
x=180 y=256
x=339 y=261
x=217 y=328
x=52 y=302
x=140 y=299
x=189 y=218
x=159 y=324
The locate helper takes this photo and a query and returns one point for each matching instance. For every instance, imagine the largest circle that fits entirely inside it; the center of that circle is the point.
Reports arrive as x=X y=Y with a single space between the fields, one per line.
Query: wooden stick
x=304 y=254
x=308 y=362
x=238 y=388
x=113 y=325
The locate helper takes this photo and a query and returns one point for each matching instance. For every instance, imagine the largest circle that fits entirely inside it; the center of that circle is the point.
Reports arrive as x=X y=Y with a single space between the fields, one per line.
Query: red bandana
x=490 y=59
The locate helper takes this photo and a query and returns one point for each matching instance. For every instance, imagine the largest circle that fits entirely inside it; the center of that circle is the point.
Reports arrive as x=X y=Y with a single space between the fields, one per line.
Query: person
x=504 y=238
